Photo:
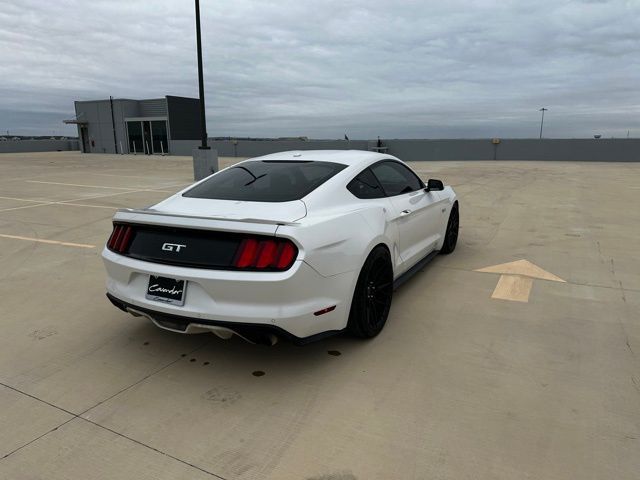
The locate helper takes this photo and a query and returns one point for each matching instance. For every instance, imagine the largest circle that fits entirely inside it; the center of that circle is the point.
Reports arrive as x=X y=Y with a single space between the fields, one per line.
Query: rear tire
x=372 y=296
x=451 y=237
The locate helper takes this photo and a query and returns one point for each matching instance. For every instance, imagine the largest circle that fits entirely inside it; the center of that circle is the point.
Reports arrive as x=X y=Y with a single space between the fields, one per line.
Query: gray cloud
x=322 y=69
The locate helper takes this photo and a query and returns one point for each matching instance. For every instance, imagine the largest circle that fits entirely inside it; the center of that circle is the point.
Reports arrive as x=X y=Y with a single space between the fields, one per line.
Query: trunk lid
x=234 y=210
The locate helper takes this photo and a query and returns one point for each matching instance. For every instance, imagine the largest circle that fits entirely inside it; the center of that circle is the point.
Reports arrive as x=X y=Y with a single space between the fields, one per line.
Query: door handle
x=404 y=213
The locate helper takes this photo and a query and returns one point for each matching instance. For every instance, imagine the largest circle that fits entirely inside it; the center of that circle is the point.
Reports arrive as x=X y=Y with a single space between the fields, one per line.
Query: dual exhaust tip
x=225 y=333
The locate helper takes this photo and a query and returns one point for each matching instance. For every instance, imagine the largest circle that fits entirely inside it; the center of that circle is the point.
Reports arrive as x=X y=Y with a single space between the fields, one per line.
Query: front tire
x=451 y=237
x=372 y=296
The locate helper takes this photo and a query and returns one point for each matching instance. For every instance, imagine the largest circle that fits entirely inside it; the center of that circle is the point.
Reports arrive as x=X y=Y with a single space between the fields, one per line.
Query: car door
x=415 y=211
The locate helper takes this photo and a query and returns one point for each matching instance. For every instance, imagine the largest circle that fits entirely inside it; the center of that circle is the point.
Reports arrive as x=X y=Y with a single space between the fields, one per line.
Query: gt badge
x=172 y=247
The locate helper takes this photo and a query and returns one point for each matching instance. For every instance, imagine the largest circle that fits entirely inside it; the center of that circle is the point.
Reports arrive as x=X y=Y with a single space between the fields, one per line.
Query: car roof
x=346 y=157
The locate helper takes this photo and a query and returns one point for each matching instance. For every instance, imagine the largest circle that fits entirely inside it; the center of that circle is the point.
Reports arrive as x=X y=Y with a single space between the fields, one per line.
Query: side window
x=365 y=185
x=396 y=179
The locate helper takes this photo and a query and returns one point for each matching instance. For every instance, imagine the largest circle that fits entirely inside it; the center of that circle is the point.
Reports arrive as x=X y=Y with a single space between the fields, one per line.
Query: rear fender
x=332 y=245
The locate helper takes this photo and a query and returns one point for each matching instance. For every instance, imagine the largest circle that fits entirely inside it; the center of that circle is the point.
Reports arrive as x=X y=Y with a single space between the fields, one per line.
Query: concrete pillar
x=205 y=162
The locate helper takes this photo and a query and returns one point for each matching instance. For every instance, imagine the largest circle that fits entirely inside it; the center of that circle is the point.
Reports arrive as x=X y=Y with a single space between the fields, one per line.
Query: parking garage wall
x=256 y=148
x=18 y=146
x=600 y=150
x=597 y=150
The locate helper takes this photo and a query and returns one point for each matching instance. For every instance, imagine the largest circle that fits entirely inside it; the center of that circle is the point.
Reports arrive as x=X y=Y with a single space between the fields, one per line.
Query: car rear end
x=228 y=272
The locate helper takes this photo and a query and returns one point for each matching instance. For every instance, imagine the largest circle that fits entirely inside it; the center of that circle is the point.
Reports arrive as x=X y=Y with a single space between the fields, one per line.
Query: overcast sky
x=412 y=69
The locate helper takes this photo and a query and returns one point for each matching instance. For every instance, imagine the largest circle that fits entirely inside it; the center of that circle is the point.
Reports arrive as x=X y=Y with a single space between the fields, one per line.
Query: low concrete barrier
x=600 y=150
x=594 y=150
x=256 y=148
x=21 y=146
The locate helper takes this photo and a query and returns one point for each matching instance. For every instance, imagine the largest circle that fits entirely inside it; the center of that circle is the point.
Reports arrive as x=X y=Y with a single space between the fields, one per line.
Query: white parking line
x=74 y=201
x=51 y=202
x=25 y=200
x=42 y=203
x=79 y=185
x=67 y=203
x=122 y=175
x=53 y=242
x=109 y=195
x=85 y=205
x=26 y=206
x=136 y=189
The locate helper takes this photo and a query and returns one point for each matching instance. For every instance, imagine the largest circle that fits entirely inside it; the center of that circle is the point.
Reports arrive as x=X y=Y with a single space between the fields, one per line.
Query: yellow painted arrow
x=516 y=279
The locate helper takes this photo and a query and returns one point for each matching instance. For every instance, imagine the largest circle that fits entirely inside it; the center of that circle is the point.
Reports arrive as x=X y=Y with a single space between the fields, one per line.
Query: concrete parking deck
x=539 y=379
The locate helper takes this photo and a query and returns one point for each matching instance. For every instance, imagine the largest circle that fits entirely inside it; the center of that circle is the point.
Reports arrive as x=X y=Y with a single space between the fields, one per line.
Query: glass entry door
x=148 y=136
x=159 y=136
x=146 y=132
x=134 y=129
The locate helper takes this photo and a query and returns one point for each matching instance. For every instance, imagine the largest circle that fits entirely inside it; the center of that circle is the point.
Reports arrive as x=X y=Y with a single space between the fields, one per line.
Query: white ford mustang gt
x=297 y=245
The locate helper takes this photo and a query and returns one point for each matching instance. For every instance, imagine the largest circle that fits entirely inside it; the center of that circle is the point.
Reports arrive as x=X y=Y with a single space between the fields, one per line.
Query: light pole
x=542 y=121
x=203 y=120
x=205 y=159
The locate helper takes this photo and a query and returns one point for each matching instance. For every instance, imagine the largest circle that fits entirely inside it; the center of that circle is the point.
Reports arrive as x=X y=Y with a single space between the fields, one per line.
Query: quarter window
x=396 y=179
x=365 y=185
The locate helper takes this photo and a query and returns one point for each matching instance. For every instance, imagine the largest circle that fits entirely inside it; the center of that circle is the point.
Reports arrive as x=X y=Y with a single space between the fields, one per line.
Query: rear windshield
x=266 y=181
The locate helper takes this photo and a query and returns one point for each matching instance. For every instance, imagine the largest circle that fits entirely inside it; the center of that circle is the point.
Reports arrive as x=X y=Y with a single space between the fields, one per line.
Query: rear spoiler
x=150 y=211
x=150 y=216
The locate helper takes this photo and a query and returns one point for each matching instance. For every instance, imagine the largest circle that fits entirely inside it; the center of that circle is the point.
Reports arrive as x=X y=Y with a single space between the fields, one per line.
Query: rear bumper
x=250 y=304
x=253 y=332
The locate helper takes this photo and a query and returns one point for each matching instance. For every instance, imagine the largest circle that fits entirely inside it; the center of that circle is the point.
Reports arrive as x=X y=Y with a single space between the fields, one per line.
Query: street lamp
x=542 y=121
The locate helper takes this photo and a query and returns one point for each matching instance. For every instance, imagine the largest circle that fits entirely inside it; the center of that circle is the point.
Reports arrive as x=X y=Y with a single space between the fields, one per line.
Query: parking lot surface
x=528 y=369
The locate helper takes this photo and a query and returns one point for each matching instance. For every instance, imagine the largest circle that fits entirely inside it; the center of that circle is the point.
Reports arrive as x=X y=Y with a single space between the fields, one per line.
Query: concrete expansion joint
x=80 y=416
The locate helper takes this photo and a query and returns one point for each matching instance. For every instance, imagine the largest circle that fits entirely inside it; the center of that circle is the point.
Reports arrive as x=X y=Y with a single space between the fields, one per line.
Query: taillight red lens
x=120 y=238
x=267 y=254
x=271 y=254
x=247 y=253
x=287 y=255
x=114 y=237
x=124 y=240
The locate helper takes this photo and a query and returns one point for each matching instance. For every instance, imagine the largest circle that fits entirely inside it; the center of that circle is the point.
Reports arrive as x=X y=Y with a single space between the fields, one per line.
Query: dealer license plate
x=166 y=290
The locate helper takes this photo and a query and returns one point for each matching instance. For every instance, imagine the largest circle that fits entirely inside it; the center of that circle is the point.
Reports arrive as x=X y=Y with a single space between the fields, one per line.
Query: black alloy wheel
x=451 y=237
x=372 y=297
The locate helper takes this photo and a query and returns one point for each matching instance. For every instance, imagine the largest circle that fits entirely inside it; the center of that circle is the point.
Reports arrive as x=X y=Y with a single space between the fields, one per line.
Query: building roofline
x=134 y=99
x=180 y=96
x=119 y=99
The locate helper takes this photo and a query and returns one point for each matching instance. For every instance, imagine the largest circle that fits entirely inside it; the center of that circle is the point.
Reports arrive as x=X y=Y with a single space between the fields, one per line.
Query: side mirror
x=433 y=184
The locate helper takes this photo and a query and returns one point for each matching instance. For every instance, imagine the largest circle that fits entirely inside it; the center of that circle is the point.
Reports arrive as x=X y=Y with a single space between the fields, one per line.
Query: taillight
x=268 y=254
x=120 y=238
